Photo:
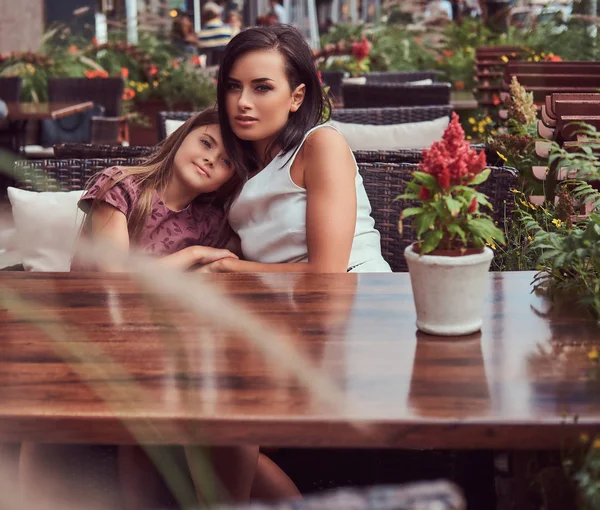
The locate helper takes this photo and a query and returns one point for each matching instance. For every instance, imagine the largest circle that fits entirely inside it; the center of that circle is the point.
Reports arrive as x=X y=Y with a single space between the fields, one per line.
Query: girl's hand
x=219 y=266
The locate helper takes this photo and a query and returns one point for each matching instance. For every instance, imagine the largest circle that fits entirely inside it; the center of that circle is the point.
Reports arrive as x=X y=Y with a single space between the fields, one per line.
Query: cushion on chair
x=47 y=225
x=413 y=135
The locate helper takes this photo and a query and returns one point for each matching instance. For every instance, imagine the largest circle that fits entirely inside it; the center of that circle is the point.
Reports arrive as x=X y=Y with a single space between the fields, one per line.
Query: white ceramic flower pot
x=449 y=292
x=358 y=80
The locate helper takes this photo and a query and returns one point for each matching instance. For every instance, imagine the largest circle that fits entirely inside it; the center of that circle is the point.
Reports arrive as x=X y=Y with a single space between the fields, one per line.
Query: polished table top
x=40 y=111
x=91 y=358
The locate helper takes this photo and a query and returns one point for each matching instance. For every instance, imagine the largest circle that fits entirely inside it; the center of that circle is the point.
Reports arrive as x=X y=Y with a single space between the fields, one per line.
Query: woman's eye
x=263 y=88
x=232 y=86
x=206 y=143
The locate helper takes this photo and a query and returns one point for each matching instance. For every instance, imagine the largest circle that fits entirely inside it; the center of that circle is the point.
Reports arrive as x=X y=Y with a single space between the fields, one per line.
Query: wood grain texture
x=40 y=111
x=517 y=384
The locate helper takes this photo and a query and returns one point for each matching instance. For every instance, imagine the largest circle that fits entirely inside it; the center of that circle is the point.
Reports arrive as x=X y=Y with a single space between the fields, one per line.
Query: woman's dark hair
x=300 y=69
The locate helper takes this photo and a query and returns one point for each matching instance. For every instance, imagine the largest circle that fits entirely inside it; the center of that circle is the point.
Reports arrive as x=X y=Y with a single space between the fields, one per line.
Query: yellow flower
x=593 y=354
x=504 y=58
x=471 y=120
x=513 y=190
x=131 y=83
x=474 y=129
x=583 y=437
x=468 y=49
x=532 y=206
x=557 y=222
x=529 y=238
x=488 y=120
x=493 y=132
x=155 y=83
x=523 y=202
x=491 y=245
x=596 y=444
x=536 y=59
x=481 y=130
x=503 y=158
x=469 y=137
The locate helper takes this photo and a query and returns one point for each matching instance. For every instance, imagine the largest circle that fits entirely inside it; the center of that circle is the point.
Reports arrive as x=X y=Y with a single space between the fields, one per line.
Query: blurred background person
x=278 y=10
x=183 y=36
x=234 y=20
x=215 y=34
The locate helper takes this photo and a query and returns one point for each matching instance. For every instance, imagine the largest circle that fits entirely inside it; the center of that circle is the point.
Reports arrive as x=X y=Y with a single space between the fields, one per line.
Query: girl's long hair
x=300 y=69
x=155 y=173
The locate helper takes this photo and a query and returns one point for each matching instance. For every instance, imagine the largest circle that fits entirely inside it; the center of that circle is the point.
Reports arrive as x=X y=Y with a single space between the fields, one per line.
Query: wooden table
x=21 y=113
x=41 y=111
x=517 y=384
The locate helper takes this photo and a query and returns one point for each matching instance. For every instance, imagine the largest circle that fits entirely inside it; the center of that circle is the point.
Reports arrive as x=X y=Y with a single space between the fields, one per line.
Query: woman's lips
x=245 y=121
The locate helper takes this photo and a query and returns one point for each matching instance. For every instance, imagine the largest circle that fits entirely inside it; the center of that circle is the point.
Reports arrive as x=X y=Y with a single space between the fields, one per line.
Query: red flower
x=447 y=53
x=175 y=64
x=553 y=58
x=452 y=161
x=196 y=60
x=73 y=49
x=459 y=85
x=495 y=100
x=473 y=206
x=94 y=41
x=361 y=50
x=128 y=94
x=424 y=193
x=153 y=70
x=124 y=72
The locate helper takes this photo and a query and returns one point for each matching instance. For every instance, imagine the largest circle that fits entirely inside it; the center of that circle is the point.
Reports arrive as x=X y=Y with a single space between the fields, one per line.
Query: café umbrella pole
x=132 y=14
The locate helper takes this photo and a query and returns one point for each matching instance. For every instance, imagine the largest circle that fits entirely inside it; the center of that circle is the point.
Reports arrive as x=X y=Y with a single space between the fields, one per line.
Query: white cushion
x=414 y=135
x=172 y=125
x=47 y=224
x=427 y=81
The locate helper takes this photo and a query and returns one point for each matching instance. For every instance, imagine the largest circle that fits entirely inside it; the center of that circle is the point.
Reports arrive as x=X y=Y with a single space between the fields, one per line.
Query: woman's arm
x=329 y=174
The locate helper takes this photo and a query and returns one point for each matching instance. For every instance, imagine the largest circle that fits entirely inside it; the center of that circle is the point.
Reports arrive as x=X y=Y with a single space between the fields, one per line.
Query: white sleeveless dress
x=269 y=216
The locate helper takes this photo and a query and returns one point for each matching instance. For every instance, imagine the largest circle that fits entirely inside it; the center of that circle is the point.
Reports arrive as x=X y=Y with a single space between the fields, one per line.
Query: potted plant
x=351 y=59
x=449 y=262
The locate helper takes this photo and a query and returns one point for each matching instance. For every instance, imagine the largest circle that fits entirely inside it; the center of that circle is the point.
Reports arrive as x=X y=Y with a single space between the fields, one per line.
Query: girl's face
x=259 y=99
x=201 y=162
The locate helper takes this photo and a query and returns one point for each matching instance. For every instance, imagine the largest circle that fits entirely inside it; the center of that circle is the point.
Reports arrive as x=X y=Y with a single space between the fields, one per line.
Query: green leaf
x=482 y=177
x=411 y=211
x=431 y=240
x=424 y=222
x=456 y=230
x=427 y=180
x=452 y=205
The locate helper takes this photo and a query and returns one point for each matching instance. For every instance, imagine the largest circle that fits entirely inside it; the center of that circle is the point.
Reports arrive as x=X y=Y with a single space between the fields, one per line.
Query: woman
x=304 y=207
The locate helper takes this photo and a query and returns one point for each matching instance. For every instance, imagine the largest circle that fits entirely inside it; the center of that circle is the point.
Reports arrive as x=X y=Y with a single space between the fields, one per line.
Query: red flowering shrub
x=449 y=216
x=361 y=50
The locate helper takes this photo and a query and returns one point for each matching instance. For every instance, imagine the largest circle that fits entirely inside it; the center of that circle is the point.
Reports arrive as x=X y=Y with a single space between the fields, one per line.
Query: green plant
x=449 y=215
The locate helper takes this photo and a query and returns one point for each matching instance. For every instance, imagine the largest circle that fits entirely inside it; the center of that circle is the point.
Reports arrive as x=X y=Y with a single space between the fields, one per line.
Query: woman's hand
x=194 y=255
x=218 y=266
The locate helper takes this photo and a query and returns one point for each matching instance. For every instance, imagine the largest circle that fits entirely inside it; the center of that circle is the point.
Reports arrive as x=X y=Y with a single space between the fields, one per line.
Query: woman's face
x=259 y=99
x=201 y=161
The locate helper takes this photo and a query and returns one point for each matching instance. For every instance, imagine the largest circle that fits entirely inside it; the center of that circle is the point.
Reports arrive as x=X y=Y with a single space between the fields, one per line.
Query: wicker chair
x=373 y=95
x=88 y=150
x=10 y=89
x=164 y=116
x=397 y=115
x=385 y=181
x=63 y=174
x=405 y=155
x=105 y=93
x=401 y=76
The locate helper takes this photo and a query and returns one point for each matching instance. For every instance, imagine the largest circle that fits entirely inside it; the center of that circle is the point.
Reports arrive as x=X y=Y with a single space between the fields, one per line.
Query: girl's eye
x=227 y=163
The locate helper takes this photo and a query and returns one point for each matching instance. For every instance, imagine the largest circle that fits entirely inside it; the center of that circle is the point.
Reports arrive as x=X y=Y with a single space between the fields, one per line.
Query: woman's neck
x=266 y=151
x=177 y=195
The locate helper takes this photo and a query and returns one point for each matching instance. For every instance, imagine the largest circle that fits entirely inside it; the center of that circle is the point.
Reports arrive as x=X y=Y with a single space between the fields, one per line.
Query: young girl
x=304 y=208
x=174 y=207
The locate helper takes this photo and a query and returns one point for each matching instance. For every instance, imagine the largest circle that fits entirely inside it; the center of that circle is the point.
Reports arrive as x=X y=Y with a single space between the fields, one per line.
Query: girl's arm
x=110 y=225
x=329 y=179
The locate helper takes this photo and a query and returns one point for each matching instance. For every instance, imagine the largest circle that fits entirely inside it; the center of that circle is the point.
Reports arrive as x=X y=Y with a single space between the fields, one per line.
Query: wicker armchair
x=404 y=155
x=401 y=76
x=373 y=95
x=63 y=174
x=88 y=150
x=395 y=115
x=164 y=116
x=385 y=181
x=10 y=89
x=105 y=93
